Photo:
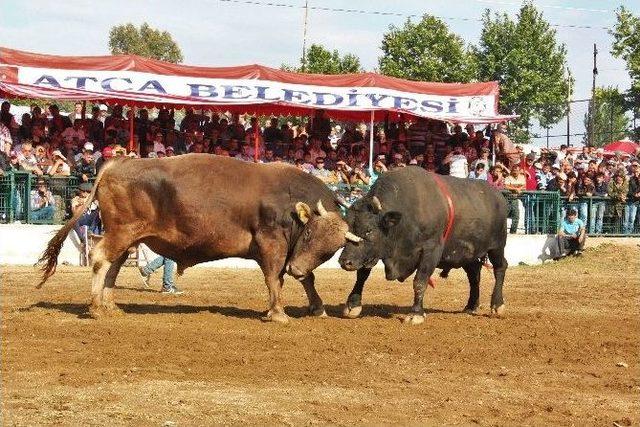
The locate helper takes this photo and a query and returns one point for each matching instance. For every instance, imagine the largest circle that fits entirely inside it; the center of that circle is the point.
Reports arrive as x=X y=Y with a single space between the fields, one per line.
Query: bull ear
x=390 y=219
x=304 y=212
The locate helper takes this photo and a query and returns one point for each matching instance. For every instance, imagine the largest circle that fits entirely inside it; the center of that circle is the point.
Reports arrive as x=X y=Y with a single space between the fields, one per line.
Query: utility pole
x=593 y=97
x=304 y=36
x=568 y=108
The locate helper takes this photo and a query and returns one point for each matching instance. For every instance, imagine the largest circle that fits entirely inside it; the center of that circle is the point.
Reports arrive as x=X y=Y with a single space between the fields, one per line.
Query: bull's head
x=371 y=234
x=322 y=235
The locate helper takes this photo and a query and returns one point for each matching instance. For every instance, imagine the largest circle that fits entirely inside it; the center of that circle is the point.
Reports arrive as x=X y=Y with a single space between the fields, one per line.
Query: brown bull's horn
x=321 y=210
x=352 y=237
x=377 y=204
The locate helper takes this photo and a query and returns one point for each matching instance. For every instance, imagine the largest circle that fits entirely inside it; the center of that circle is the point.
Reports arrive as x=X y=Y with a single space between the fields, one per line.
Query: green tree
x=426 y=51
x=144 y=41
x=626 y=45
x=610 y=122
x=525 y=57
x=319 y=60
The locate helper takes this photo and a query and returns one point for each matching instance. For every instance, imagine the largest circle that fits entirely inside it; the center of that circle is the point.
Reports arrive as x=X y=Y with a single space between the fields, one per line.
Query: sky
x=233 y=32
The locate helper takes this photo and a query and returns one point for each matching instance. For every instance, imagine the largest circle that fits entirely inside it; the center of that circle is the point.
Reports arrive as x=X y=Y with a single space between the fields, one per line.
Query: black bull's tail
x=49 y=259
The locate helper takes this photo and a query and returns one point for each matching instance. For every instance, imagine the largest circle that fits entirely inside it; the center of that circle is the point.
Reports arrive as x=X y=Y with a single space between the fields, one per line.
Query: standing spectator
x=516 y=183
x=633 y=198
x=158 y=144
x=58 y=122
x=6 y=141
x=398 y=161
x=530 y=172
x=484 y=158
x=315 y=149
x=74 y=132
x=272 y=134
x=596 y=216
x=618 y=191
x=168 y=285
x=571 y=235
x=42 y=202
x=320 y=126
x=94 y=127
x=586 y=189
x=506 y=150
x=543 y=177
x=359 y=175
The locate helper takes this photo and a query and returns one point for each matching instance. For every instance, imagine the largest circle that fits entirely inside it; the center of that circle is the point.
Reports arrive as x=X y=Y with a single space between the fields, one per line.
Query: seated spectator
x=359 y=174
x=75 y=132
x=398 y=161
x=479 y=172
x=496 y=174
x=42 y=202
x=27 y=159
x=245 y=154
x=60 y=167
x=543 y=176
x=457 y=161
x=571 y=235
x=107 y=153
x=325 y=175
x=86 y=165
x=484 y=158
x=343 y=172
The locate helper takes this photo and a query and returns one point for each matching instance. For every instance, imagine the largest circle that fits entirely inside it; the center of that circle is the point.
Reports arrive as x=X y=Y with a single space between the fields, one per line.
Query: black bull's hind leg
x=473 y=271
x=496 y=256
x=353 y=307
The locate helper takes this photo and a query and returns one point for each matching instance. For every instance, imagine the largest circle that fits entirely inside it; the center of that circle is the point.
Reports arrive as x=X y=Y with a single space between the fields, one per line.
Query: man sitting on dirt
x=572 y=235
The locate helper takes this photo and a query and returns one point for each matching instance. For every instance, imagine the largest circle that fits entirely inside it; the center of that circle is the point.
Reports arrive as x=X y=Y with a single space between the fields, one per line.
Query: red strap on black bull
x=450 y=215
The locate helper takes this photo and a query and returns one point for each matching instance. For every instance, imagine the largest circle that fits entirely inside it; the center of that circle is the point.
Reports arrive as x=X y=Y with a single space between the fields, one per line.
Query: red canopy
x=624 y=146
x=133 y=80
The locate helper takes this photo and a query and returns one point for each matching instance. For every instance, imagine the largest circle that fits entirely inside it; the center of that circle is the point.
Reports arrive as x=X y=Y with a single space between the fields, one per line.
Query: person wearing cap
x=107 y=153
x=633 y=198
x=571 y=235
x=42 y=202
x=60 y=167
x=530 y=171
x=170 y=151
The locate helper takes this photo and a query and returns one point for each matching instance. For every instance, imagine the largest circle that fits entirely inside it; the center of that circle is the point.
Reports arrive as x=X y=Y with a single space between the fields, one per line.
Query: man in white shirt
x=158 y=144
x=457 y=161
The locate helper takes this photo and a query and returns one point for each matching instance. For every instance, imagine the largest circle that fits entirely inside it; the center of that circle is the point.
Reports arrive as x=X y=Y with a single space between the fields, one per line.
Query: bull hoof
x=414 y=318
x=275 y=316
x=352 y=312
x=97 y=312
x=114 y=311
x=318 y=312
x=498 y=311
x=469 y=310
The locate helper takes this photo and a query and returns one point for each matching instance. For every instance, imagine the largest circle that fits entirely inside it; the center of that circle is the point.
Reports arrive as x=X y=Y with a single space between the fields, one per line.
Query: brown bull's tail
x=49 y=259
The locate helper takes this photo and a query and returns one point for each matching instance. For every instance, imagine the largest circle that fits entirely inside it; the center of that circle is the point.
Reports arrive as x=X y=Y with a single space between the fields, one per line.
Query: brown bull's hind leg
x=109 y=283
x=105 y=261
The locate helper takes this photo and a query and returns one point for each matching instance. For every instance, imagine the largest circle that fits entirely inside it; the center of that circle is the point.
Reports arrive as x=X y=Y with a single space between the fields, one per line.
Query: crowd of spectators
x=52 y=144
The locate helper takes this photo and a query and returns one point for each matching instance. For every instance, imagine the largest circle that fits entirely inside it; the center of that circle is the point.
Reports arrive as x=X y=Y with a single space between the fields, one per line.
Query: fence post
x=27 y=201
x=12 y=196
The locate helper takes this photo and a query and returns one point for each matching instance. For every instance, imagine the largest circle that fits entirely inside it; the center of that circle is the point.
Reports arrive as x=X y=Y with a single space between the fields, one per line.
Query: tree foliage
x=610 y=123
x=525 y=57
x=319 y=60
x=144 y=41
x=626 y=45
x=426 y=51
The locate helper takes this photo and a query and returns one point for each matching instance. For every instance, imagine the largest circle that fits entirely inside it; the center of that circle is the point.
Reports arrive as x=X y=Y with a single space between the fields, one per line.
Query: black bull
x=403 y=221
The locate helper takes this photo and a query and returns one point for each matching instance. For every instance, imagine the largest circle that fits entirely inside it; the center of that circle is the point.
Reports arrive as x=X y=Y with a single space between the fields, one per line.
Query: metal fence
x=531 y=212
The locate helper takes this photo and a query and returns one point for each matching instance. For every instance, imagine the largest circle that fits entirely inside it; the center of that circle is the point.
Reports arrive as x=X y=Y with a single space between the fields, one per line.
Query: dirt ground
x=566 y=353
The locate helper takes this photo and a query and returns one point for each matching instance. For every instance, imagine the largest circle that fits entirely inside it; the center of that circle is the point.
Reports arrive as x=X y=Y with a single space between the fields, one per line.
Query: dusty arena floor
x=566 y=353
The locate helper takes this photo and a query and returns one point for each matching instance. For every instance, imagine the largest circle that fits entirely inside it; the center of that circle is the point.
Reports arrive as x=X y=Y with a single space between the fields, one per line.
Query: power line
x=548 y=6
x=384 y=13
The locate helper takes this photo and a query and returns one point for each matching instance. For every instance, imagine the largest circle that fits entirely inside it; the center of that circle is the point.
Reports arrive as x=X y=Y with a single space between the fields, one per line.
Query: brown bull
x=198 y=208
